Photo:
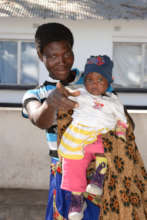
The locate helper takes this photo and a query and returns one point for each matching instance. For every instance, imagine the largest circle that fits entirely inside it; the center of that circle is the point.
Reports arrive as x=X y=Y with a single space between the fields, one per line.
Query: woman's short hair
x=50 y=32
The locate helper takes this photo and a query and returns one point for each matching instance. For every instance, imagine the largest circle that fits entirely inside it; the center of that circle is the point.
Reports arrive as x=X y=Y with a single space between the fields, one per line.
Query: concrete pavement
x=23 y=204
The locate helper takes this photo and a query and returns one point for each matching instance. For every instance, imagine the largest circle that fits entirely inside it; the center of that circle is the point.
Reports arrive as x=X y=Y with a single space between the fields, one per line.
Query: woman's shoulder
x=111 y=96
x=108 y=96
x=40 y=92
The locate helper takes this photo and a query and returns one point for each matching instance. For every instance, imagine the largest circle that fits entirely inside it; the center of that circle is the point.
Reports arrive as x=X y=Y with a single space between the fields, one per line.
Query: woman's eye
x=50 y=56
x=67 y=54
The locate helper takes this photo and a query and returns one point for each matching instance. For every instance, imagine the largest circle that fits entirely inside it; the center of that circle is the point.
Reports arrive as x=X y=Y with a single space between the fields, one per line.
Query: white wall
x=140 y=119
x=92 y=37
x=24 y=161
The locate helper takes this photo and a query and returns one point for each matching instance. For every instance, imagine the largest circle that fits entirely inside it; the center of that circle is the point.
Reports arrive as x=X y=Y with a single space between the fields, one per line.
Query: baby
x=99 y=111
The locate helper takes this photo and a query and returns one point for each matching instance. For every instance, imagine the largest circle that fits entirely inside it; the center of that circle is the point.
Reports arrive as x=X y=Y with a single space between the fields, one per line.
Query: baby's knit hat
x=100 y=64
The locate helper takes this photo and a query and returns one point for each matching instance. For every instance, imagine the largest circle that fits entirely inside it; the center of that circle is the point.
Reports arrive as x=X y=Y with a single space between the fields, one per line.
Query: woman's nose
x=61 y=60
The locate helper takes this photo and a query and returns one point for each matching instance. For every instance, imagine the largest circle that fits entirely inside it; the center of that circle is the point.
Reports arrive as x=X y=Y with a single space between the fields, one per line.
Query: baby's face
x=95 y=83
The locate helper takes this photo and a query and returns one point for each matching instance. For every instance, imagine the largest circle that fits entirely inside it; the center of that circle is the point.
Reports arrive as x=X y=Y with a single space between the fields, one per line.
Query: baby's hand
x=121 y=130
x=121 y=135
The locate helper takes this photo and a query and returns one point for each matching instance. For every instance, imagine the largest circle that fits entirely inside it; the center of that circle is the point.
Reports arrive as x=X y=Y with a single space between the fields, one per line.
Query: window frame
x=19 y=86
x=130 y=40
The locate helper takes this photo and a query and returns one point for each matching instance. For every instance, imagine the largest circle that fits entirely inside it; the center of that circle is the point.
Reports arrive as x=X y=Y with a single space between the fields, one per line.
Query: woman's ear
x=40 y=55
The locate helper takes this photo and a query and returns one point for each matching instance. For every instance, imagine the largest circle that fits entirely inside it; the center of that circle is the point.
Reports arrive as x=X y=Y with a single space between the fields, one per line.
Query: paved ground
x=21 y=204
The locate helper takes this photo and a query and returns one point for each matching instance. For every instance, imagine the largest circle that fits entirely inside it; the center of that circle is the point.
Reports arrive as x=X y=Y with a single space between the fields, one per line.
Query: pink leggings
x=74 y=171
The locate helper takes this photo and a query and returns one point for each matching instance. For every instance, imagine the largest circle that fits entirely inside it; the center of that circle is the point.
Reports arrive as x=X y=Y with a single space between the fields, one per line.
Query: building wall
x=24 y=160
x=24 y=157
x=92 y=37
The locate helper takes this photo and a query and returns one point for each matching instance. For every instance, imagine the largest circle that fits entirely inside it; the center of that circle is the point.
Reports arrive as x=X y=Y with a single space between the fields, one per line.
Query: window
x=18 y=63
x=130 y=65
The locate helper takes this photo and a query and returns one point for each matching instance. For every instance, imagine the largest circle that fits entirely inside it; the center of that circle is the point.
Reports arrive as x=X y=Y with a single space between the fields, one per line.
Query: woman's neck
x=70 y=79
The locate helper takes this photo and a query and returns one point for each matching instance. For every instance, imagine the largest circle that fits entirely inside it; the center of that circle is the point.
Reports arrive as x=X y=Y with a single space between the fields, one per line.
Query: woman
x=54 y=44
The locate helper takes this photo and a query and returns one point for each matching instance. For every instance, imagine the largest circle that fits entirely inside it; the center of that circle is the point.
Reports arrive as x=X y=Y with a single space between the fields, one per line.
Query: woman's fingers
x=67 y=92
x=62 y=89
x=67 y=104
x=59 y=98
x=63 y=94
x=74 y=93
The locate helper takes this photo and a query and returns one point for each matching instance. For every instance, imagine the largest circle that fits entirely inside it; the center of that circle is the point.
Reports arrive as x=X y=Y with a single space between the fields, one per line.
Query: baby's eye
x=100 y=80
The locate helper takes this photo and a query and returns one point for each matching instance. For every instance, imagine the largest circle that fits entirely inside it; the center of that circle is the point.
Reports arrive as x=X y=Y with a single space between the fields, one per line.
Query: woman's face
x=58 y=58
x=95 y=83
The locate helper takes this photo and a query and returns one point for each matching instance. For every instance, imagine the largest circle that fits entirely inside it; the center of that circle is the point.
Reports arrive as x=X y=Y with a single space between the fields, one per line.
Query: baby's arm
x=120 y=129
x=121 y=125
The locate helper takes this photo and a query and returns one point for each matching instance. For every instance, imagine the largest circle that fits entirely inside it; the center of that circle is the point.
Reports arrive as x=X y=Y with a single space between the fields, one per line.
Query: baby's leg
x=77 y=206
x=74 y=180
x=96 y=183
x=73 y=175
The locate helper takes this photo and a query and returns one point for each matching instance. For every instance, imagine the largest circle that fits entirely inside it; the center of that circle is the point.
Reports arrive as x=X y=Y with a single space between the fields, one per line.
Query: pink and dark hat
x=100 y=64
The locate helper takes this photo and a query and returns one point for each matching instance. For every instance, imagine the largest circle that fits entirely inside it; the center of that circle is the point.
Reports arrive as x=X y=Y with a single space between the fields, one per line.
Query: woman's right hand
x=43 y=114
x=58 y=98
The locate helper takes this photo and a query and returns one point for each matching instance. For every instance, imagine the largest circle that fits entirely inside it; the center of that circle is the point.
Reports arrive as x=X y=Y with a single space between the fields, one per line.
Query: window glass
x=8 y=62
x=18 y=63
x=129 y=69
x=29 y=72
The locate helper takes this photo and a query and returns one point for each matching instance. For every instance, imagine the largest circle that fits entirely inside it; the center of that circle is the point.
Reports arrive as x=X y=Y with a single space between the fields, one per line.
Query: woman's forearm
x=41 y=115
